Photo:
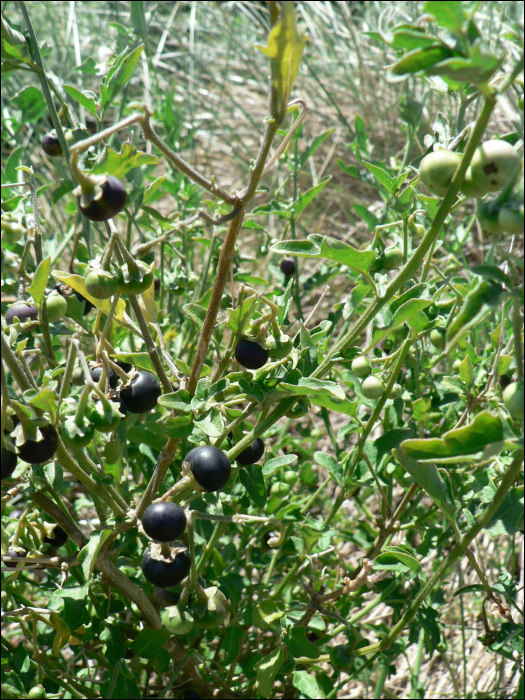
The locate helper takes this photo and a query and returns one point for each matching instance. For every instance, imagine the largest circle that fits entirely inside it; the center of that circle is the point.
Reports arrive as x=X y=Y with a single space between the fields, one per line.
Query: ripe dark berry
x=57 y=538
x=251 y=454
x=9 y=461
x=34 y=452
x=24 y=313
x=504 y=381
x=14 y=553
x=123 y=365
x=163 y=573
x=250 y=354
x=97 y=371
x=210 y=467
x=51 y=145
x=141 y=395
x=287 y=266
x=111 y=202
x=165 y=597
x=164 y=521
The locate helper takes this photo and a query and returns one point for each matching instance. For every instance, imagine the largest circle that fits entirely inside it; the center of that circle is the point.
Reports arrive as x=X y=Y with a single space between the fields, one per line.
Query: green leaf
x=307 y=386
x=148 y=642
x=430 y=480
x=314 y=145
x=196 y=313
x=120 y=73
x=179 y=427
x=466 y=371
x=266 y=613
x=417 y=61
x=483 y=438
x=368 y=217
x=382 y=176
x=86 y=98
x=267 y=668
x=30 y=101
x=273 y=465
x=178 y=401
x=39 y=283
x=346 y=407
x=479 y=67
x=403 y=556
x=332 y=466
x=304 y=199
x=508 y=519
x=88 y=554
x=144 y=435
x=448 y=15
x=477 y=304
x=493 y=273
x=141 y=360
x=318 y=246
x=307 y=684
x=285 y=50
x=252 y=479
x=298 y=644
x=421 y=407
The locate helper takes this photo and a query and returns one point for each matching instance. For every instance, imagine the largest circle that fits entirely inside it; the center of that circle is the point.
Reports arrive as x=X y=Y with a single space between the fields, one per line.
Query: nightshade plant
x=364 y=378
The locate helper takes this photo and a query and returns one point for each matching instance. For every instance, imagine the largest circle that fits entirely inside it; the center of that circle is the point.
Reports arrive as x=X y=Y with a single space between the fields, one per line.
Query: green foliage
x=387 y=384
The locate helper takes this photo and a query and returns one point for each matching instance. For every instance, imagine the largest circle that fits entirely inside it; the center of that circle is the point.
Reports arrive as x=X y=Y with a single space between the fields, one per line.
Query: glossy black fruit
x=13 y=553
x=165 y=597
x=123 y=365
x=97 y=371
x=34 y=452
x=209 y=466
x=164 y=521
x=288 y=266
x=111 y=202
x=141 y=395
x=164 y=573
x=250 y=354
x=51 y=145
x=9 y=462
x=24 y=313
x=251 y=454
x=57 y=538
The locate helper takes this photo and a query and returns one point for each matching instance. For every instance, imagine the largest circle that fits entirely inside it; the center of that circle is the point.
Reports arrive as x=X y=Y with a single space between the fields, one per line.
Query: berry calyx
x=24 y=312
x=141 y=395
x=109 y=200
x=251 y=454
x=299 y=409
x=165 y=571
x=164 y=521
x=9 y=462
x=279 y=348
x=56 y=307
x=250 y=354
x=38 y=452
x=210 y=467
x=493 y=163
x=77 y=435
x=372 y=388
x=51 y=145
x=136 y=278
x=361 y=367
x=101 y=284
x=287 y=266
x=437 y=338
x=105 y=415
x=215 y=612
x=513 y=399
x=437 y=169
x=57 y=538
x=177 y=621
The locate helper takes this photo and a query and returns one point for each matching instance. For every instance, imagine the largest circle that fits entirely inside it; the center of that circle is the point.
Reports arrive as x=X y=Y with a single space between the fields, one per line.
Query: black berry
x=251 y=454
x=51 y=145
x=87 y=304
x=124 y=365
x=164 y=573
x=141 y=395
x=24 y=313
x=14 y=553
x=34 y=452
x=164 y=521
x=287 y=266
x=210 y=467
x=57 y=538
x=9 y=461
x=110 y=203
x=97 y=371
x=165 y=597
x=250 y=354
